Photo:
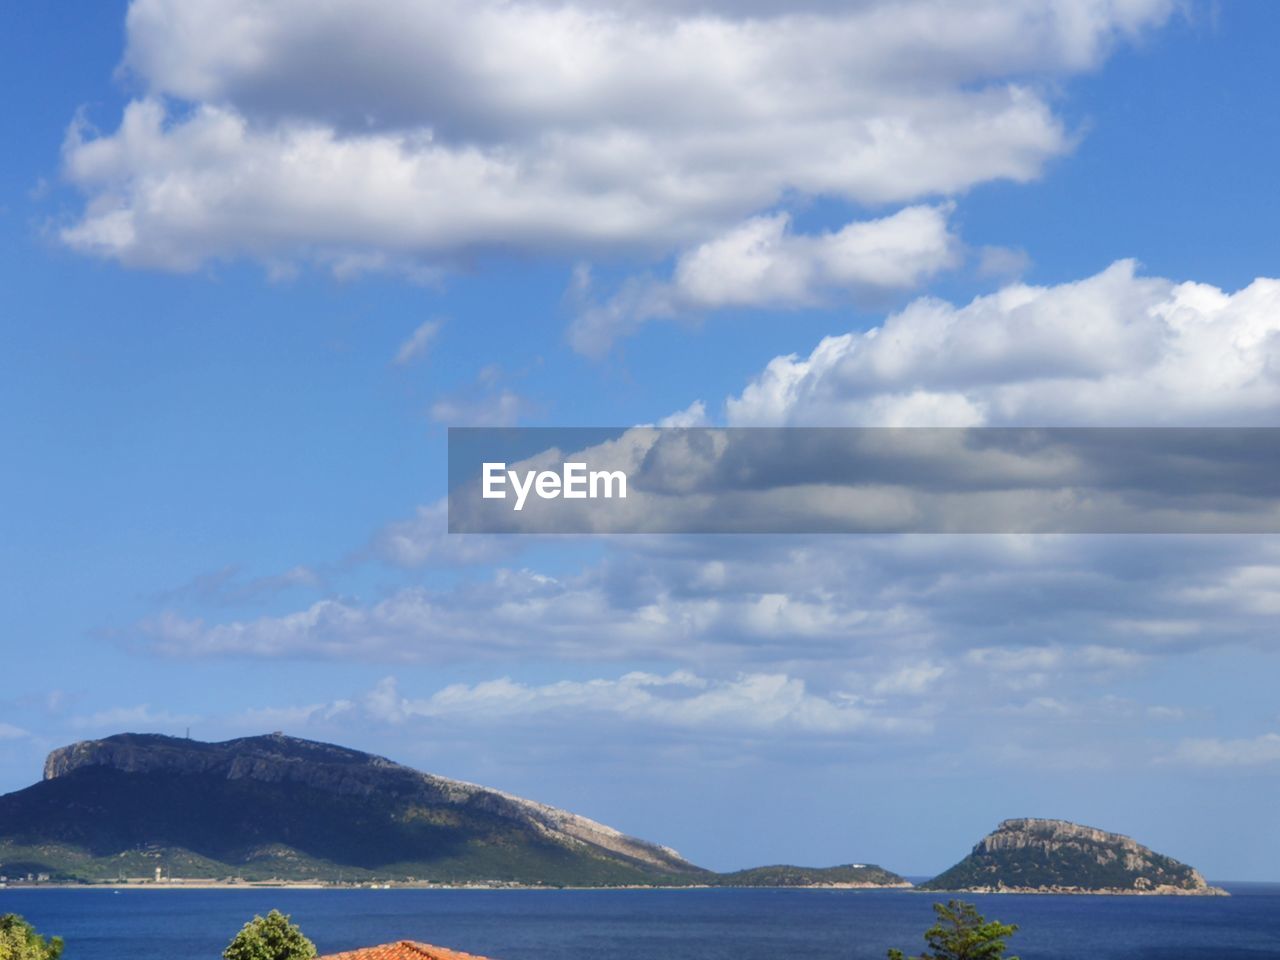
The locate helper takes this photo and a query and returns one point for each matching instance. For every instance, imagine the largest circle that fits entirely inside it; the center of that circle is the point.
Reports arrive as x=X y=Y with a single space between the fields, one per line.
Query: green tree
x=962 y=933
x=271 y=937
x=19 y=941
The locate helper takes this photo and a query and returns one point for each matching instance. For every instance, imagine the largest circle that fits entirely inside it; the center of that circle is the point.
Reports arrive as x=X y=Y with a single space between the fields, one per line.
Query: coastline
x=1083 y=892
x=416 y=885
x=205 y=885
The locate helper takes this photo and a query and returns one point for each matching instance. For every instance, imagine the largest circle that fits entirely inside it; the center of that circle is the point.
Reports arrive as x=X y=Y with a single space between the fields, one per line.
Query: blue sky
x=221 y=226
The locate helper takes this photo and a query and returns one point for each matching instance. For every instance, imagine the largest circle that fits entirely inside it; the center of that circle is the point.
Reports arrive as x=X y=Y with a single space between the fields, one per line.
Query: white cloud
x=811 y=637
x=1114 y=349
x=663 y=63
x=1212 y=752
x=417 y=343
x=762 y=263
x=756 y=702
x=526 y=613
x=1019 y=610
x=267 y=131
x=10 y=732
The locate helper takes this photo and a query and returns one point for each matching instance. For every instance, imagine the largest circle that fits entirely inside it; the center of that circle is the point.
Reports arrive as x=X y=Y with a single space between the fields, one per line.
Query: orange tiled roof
x=404 y=950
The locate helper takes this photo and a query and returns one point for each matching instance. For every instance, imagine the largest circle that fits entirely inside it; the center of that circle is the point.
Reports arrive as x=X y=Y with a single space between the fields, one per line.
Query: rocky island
x=1057 y=856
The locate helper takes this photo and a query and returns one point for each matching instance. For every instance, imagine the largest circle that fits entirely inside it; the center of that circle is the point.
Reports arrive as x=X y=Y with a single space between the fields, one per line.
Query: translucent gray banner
x=864 y=480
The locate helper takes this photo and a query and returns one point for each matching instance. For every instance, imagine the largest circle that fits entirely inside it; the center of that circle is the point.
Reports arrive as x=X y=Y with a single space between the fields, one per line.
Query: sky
x=256 y=257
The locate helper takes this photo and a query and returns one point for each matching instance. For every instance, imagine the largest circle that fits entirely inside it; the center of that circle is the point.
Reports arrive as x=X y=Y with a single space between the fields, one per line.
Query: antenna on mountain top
x=188 y=733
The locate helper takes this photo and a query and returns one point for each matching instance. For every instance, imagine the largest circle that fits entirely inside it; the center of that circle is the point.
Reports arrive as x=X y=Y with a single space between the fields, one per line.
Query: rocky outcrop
x=1056 y=856
x=279 y=759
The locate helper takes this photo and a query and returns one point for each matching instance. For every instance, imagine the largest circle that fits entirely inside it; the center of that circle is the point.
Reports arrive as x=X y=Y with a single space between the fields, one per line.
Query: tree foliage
x=19 y=941
x=962 y=933
x=272 y=937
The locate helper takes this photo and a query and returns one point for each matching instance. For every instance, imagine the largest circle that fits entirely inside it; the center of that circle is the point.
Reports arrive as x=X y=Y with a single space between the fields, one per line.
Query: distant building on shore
x=403 y=950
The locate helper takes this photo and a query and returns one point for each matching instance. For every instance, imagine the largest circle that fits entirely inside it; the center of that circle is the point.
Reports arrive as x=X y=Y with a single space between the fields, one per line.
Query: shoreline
x=302 y=885
x=204 y=885
x=1078 y=892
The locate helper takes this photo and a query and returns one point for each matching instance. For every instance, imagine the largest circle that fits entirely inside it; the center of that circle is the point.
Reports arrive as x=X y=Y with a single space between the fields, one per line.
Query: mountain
x=280 y=807
x=785 y=875
x=1056 y=856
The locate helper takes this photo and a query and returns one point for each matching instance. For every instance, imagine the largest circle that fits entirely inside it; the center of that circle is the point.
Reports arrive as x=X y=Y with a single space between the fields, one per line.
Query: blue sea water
x=159 y=924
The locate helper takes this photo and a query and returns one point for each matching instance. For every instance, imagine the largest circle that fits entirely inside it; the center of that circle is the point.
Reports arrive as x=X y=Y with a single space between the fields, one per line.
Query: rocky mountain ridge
x=279 y=759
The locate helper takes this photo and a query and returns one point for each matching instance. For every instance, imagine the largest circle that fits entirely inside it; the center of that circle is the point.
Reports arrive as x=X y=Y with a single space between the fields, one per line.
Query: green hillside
x=785 y=875
x=274 y=808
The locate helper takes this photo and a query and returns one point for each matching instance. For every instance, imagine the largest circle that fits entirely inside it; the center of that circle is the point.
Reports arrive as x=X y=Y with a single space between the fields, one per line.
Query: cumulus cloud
x=267 y=131
x=762 y=263
x=1014 y=609
x=524 y=613
x=1115 y=349
x=810 y=637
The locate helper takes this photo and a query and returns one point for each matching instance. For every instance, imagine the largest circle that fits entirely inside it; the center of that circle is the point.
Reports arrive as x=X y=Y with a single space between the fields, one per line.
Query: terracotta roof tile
x=404 y=950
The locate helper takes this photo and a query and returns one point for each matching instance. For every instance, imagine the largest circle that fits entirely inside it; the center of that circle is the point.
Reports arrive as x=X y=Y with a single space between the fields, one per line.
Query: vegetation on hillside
x=99 y=823
x=785 y=875
x=1056 y=854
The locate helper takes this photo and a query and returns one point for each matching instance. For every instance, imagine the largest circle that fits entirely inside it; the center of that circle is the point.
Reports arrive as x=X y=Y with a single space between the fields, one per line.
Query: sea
x=699 y=924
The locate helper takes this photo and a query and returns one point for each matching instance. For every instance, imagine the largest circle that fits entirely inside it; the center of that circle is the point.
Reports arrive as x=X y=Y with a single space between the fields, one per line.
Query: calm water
x=648 y=924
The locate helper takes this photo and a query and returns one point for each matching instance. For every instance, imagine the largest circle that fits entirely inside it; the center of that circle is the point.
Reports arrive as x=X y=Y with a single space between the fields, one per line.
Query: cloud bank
x=266 y=130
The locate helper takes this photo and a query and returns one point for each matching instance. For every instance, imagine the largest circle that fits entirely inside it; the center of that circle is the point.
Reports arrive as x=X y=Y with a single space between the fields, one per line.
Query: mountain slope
x=280 y=807
x=1059 y=856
